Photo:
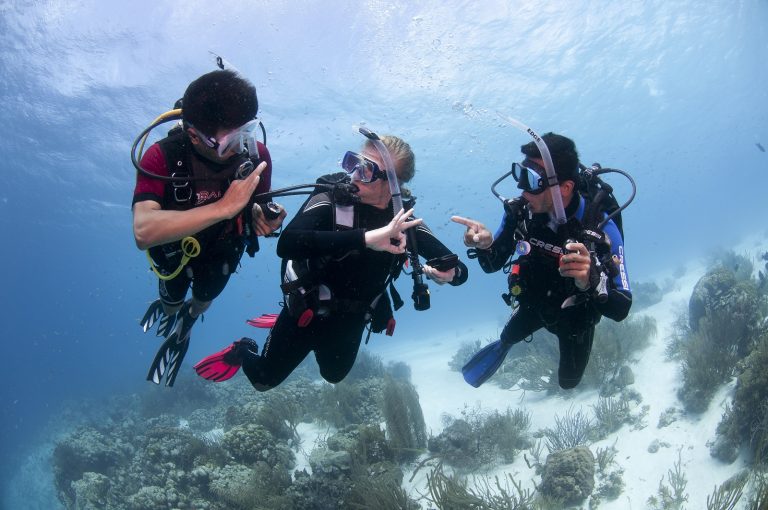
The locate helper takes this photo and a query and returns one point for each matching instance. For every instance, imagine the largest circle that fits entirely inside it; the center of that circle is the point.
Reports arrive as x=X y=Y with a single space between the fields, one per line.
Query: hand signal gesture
x=476 y=235
x=391 y=237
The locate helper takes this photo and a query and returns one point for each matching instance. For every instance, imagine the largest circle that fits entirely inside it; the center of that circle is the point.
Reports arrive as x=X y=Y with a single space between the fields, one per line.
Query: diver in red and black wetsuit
x=190 y=207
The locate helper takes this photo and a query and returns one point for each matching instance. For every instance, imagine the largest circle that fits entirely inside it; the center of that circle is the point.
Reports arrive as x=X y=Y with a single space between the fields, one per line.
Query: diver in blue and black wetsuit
x=557 y=282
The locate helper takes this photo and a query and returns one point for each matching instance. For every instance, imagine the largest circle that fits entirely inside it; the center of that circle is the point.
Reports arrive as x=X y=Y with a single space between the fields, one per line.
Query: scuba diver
x=339 y=255
x=193 y=209
x=570 y=268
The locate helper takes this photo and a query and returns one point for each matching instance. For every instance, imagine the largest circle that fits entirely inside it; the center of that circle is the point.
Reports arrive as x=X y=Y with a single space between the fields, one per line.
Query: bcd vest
x=208 y=184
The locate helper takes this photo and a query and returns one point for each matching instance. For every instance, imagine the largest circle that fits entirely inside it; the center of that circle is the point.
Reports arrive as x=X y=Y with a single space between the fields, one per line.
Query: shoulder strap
x=344 y=216
x=174 y=148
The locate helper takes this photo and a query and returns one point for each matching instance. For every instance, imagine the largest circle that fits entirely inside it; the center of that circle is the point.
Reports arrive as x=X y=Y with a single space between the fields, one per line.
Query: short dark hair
x=563 y=152
x=219 y=100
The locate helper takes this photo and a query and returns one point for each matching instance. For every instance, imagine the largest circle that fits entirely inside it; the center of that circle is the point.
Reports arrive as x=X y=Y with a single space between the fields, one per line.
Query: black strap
x=593 y=211
x=174 y=149
x=397 y=301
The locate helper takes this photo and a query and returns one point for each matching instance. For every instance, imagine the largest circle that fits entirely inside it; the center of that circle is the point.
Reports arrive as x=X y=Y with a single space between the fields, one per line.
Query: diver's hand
x=261 y=225
x=439 y=277
x=391 y=237
x=239 y=193
x=576 y=265
x=476 y=235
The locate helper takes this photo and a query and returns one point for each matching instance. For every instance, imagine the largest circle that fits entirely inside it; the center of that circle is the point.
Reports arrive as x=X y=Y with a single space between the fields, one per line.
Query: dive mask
x=361 y=168
x=528 y=179
x=238 y=140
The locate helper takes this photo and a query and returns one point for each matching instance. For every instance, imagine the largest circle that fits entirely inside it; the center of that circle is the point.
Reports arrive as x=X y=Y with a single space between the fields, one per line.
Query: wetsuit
x=544 y=290
x=355 y=275
x=222 y=244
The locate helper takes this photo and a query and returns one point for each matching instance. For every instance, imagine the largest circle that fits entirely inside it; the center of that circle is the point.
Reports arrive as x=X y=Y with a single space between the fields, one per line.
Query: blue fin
x=485 y=363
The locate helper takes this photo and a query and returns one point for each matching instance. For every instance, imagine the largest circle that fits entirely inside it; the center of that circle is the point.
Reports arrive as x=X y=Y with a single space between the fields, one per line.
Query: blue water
x=673 y=92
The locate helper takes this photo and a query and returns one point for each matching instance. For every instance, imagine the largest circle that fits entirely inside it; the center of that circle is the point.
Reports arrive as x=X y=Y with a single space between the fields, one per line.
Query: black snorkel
x=420 y=290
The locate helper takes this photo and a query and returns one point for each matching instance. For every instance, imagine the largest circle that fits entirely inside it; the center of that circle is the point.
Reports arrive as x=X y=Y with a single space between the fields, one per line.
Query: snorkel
x=420 y=290
x=389 y=167
x=549 y=167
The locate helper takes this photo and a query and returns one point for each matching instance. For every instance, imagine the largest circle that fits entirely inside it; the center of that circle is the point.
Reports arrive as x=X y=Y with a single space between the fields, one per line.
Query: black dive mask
x=530 y=177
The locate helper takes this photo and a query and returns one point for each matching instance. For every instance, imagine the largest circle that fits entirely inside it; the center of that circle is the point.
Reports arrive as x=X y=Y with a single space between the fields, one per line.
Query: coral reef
x=645 y=294
x=86 y=451
x=728 y=494
x=351 y=402
x=569 y=475
x=573 y=430
x=248 y=444
x=610 y=415
x=353 y=469
x=481 y=440
x=464 y=354
x=405 y=420
x=450 y=491
x=745 y=422
x=609 y=476
x=91 y=491
x=225 y=446
x=725 y=314
x=671 y=495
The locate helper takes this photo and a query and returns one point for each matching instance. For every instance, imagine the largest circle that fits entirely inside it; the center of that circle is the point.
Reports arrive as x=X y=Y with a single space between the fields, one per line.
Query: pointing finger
x=465 y=221
x=262 y=166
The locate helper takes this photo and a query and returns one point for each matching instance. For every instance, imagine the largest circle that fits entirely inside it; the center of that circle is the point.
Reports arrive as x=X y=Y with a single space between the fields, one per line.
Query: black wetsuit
x=354 y=273
x=544 y=290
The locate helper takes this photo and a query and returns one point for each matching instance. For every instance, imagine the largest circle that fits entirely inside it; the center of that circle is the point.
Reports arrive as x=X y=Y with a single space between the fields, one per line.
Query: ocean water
x=672 y=92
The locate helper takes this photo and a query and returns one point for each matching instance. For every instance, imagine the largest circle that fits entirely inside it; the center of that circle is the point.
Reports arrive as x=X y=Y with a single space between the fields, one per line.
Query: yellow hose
x=161 y=118
x=190 y=247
